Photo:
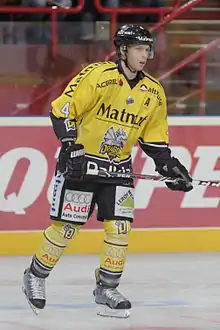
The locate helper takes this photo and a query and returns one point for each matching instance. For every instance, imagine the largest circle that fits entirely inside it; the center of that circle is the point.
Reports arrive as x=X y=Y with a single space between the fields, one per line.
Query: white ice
x=168 y=291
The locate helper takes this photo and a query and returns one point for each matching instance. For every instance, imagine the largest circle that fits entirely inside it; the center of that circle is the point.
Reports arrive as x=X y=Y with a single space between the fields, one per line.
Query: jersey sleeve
x=77 y=98
x=154 y=138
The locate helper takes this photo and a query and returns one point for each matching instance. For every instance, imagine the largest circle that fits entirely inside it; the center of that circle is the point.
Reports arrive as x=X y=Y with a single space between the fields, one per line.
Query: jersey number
x=66 y=109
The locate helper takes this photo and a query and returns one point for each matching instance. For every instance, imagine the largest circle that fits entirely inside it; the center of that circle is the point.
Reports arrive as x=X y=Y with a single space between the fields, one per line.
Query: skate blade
x=34 y=309
x=114 y=313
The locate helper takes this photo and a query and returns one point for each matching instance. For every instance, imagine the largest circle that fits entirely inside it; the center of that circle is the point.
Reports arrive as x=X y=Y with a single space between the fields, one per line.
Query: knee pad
x=60 y=233
x=117 y=231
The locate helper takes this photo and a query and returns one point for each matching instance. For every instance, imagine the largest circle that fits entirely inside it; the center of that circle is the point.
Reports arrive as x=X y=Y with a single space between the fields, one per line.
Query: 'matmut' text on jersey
x=121 y=116
x=109 y=116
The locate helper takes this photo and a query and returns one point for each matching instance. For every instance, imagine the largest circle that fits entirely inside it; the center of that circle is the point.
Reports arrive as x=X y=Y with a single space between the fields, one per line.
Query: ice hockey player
x=99 y=117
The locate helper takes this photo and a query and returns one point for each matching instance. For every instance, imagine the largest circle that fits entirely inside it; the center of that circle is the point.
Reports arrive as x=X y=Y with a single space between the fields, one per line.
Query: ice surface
x=168 y=291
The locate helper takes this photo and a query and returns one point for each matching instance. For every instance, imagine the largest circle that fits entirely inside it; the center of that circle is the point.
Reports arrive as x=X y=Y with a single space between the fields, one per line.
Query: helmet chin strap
x=128 y=66
x=126 y=62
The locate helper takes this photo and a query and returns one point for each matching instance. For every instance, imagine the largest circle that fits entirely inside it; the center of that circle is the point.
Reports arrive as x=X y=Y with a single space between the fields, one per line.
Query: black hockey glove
x=174 y=169
x=71 y=161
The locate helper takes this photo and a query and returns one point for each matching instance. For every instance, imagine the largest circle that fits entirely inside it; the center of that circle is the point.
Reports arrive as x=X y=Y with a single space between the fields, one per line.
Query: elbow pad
x=64 y=128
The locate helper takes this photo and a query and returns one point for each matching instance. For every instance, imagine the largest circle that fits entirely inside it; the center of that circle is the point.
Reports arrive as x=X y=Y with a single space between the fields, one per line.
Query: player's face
x=137 y=56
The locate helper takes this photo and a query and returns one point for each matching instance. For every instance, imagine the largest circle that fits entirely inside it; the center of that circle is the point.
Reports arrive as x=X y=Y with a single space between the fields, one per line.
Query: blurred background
x=45 y=42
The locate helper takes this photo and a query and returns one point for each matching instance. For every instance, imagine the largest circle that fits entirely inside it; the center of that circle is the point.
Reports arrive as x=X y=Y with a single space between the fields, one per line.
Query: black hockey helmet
x=131 y=34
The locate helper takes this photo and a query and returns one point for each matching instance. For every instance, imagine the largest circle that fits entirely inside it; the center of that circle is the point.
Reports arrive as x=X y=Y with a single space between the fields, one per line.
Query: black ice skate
x=114 y=303
x=34 y=290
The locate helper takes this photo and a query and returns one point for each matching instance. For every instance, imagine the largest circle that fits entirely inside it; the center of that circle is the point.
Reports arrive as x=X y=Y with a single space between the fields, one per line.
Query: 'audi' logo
x=83 y=198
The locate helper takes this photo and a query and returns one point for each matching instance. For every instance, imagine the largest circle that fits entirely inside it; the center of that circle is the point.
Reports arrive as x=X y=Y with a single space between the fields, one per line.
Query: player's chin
x=141 y=66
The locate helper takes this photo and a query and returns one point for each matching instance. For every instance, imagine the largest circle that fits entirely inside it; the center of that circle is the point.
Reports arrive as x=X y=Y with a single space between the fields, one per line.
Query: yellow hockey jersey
x=110 y=116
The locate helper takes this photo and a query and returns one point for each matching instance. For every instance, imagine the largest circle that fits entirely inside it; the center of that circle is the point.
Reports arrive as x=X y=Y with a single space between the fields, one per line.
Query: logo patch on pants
x=124 y=202
x=76 y=205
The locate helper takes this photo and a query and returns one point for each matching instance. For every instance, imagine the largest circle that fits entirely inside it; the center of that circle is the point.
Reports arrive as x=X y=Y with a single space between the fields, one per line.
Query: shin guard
x=113 y=256
x=55 y=240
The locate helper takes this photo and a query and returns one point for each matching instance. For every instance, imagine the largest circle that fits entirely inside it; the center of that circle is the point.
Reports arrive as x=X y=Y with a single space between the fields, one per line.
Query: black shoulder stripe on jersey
x=81 y=75
x=110 y=69
x=156 y=82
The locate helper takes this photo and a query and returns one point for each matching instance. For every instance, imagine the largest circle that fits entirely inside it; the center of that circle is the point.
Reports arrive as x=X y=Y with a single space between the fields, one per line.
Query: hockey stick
x=107 y=174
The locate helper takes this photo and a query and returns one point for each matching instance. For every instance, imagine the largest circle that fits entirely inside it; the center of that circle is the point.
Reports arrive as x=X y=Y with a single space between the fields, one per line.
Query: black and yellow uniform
x=104 y=114
x=108 y=114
